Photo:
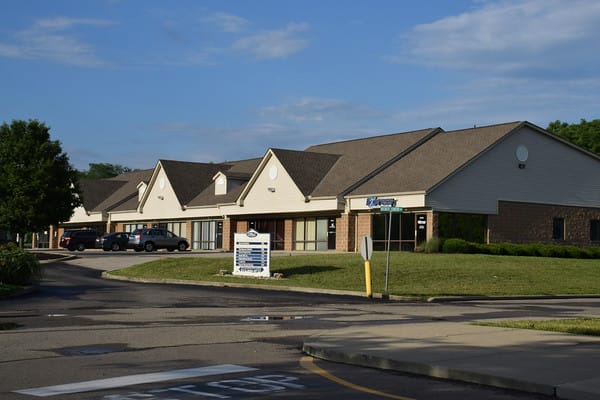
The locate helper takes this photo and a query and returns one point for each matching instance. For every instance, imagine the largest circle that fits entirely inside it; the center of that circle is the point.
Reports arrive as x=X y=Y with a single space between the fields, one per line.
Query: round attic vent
x=522 y=153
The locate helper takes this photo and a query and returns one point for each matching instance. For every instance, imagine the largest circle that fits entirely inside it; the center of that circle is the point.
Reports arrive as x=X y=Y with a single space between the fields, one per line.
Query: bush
x=18 y=267
x=456 y=246
x=511 y=249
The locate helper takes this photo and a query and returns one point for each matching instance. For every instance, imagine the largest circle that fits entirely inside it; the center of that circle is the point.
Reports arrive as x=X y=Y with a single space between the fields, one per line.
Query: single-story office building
x=512 y=182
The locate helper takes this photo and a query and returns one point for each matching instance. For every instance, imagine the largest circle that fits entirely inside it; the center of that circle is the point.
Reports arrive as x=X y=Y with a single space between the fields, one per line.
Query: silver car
x=151 y=239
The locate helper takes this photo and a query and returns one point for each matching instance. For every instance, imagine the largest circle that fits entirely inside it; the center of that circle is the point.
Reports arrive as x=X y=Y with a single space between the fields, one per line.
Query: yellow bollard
x=368 y=278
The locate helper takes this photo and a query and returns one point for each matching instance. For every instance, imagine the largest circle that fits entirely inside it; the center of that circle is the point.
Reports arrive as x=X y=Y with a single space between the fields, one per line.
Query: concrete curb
x=334 y=292
x=434 y=371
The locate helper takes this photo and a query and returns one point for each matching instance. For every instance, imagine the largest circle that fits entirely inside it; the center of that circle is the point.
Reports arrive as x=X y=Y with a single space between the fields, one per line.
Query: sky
x=130 y=82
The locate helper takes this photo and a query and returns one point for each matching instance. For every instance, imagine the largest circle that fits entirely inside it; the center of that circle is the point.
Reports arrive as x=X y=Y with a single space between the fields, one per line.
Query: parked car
x=115 y=241
x=151 y=239
x=78 y=239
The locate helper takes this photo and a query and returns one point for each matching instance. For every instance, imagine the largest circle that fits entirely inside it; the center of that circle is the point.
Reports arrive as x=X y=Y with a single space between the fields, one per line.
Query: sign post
x=366 y=251
x=252 y=254
x=390 y=209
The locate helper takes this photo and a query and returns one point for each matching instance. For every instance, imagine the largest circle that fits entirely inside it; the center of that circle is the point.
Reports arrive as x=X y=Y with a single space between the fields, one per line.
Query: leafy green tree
x=103 y=170
x=585 y=134
x=38 y=186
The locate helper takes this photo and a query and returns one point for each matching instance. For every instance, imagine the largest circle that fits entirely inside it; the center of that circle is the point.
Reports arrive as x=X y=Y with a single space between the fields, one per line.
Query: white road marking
x=112 y=383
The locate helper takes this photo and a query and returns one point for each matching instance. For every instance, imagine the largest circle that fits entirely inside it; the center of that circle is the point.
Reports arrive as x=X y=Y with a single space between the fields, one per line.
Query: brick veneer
x=345 y=229
x=364 y=225
x=532 y=223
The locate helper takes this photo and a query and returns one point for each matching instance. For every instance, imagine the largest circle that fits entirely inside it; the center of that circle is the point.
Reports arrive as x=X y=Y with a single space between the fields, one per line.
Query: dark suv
x=78 y=239
x=151 y=239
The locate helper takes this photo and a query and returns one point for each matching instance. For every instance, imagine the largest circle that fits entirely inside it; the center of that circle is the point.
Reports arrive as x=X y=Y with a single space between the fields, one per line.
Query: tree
x=103 y=170
x=38 y=186
x=585 y=134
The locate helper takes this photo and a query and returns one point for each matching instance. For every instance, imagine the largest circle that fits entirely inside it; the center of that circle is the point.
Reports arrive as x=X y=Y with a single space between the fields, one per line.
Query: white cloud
x=50 y=39
x=274 y=43
x=526 y=37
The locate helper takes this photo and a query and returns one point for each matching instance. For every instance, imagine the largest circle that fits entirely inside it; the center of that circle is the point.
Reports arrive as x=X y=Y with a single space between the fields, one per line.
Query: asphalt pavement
x=564 y=366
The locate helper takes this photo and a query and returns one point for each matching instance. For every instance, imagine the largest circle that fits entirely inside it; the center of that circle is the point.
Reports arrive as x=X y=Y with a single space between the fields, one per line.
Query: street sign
x=366 y=248
x=391 y=209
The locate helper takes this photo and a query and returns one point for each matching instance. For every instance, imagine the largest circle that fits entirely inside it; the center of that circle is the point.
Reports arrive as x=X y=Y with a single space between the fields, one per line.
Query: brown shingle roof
x=361 y=157
x=190 y=178
x=434 y=160
x=306 y=168
x=127 y=190
x=238 y=170
x=96 y=191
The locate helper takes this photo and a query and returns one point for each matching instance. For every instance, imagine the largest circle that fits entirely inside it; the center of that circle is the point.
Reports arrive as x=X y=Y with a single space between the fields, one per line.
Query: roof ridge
x=374 y=137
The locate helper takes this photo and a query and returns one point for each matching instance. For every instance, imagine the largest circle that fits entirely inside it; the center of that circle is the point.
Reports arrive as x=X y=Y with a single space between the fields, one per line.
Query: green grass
x=580 y=326
x=411 y=274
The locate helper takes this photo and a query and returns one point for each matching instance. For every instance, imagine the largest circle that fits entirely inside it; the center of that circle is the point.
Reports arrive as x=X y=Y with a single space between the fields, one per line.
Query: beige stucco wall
x=274 y=191
x=80 y=216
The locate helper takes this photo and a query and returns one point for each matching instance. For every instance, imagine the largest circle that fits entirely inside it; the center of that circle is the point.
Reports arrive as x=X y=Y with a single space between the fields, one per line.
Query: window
x=178 y=228
x=133 y=227
x=595 y=230
x=558 y=229
x=276 y=227
x=207 y=235
x=401 y=231
x=314 y=233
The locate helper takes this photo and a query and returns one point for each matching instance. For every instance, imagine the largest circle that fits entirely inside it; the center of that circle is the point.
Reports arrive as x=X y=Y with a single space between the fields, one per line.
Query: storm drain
x=92 y=350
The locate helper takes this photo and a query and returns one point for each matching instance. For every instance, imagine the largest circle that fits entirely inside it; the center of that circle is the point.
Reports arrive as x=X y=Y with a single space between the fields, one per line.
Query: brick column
x=288 y=235
x=364 y=225
x=228 y=229
x=345 y=233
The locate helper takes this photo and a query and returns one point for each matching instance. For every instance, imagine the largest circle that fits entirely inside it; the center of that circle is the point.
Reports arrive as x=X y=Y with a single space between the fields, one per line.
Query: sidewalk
x=561 y=365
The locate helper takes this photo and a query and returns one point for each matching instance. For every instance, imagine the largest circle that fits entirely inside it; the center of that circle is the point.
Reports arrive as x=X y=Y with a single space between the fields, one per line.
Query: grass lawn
x=411 y=274
x=580 y=326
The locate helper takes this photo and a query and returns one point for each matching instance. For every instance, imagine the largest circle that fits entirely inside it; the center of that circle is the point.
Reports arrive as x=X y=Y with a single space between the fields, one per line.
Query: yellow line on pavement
x=308 y=364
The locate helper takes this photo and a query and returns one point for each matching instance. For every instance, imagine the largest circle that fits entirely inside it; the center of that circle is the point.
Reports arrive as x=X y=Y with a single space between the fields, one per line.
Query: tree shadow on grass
x=306 y=270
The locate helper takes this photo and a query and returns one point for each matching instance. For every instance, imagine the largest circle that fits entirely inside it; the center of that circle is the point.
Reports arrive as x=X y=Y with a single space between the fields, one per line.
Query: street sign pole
x=387 y=259
x=366 y=250
x=390 y=209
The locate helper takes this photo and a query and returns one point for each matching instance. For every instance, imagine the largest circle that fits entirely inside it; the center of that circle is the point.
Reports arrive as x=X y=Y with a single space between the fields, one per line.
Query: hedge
x=511 y=249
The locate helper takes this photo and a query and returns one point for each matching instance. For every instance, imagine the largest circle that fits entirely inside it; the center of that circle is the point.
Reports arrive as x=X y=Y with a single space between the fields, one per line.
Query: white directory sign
x=252 y=254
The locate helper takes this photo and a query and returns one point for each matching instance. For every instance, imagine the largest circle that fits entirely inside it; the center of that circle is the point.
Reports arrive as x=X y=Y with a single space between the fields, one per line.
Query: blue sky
x=133 y=81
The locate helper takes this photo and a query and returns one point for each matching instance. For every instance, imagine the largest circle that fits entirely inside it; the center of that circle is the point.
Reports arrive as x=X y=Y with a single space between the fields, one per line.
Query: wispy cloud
x=274 y=43
x=51 y=39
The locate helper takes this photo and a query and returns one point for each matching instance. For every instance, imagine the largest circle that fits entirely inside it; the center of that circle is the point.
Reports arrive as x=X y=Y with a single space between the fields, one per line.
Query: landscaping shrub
x=511 y=249
x=456 y=246
x=18 y=267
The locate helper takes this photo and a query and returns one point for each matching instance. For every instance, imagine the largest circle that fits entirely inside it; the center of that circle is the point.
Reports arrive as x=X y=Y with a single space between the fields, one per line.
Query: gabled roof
x=307 y=169
x=111 y=193
x=238 y=170
x=361 y=158
x=435 y=160
x=189 y=178
x=96 y=191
